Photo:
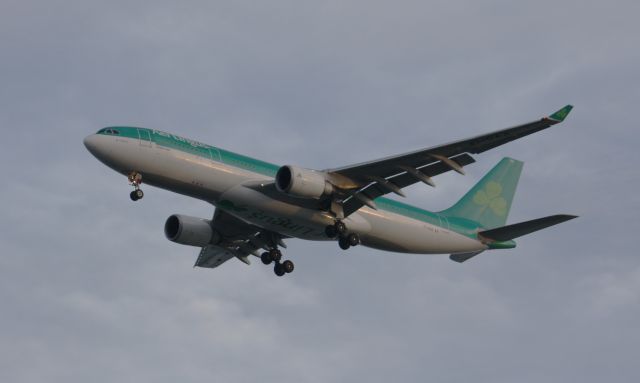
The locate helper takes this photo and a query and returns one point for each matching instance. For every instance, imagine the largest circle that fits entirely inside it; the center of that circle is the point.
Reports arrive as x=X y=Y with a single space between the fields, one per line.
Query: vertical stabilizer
x=489 y=201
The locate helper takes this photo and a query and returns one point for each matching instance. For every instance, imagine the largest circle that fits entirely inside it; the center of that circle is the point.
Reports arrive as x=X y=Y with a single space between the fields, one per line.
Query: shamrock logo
x=491 y=197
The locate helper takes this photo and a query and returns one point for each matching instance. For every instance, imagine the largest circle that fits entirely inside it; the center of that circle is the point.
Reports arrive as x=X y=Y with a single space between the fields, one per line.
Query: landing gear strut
x=279 y=268
x=345 y=239
x=135 y=179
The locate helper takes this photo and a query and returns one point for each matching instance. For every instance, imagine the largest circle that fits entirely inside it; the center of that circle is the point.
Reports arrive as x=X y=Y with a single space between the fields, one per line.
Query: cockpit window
x=108 y=131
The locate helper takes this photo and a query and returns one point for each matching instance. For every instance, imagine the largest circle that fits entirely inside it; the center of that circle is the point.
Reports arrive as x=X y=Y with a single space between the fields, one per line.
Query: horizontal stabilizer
x=508 y=232
x=461 y=257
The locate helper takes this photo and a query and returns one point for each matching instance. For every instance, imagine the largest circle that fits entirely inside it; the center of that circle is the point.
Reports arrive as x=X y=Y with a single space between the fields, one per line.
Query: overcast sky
x=90 y=290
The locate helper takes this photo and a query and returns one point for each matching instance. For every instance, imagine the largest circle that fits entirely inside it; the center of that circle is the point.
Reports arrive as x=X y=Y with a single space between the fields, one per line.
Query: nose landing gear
x=135 y=179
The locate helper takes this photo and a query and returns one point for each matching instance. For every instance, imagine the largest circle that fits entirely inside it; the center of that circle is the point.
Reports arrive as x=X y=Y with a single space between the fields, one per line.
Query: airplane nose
x=90 y=142
x=101 y=148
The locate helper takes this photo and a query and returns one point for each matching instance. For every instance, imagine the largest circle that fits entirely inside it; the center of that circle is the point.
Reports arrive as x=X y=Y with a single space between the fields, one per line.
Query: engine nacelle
x=190 y=231
x=301 y=182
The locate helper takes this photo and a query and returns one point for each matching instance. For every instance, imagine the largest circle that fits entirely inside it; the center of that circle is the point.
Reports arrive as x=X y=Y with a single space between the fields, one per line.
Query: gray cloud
x=91 y=290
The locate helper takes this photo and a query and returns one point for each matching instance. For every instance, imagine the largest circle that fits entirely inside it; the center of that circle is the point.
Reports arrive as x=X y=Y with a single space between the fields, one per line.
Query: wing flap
x=212 y=256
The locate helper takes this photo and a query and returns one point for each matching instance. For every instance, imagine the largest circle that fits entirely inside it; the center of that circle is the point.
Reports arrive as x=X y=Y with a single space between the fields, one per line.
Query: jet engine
x=303 y=183
x=190 y=231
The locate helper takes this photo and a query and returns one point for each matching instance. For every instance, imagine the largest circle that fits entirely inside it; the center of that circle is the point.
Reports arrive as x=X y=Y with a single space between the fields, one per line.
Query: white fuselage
x=225 y=186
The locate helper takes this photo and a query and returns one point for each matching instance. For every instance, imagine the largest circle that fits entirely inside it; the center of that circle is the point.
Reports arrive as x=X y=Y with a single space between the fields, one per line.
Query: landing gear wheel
x=341 y=228
x=133 y=196
x=353 y=239
x=344 y=244
x=330 y=231
x=287 y=266
x=266 y=258
x=278 y=269
x=139 y=193
x=275 y=255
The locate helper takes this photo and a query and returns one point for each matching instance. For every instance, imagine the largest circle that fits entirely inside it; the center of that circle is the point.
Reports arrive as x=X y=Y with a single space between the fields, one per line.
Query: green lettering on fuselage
x=285 y=223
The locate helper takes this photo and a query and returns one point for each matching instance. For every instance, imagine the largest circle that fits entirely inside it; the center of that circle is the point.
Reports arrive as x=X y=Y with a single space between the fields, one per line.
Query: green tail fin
x=489 y=201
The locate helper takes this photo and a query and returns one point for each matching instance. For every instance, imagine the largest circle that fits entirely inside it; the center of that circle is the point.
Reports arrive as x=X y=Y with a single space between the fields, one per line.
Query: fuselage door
x=145 y=137
x=215 y=154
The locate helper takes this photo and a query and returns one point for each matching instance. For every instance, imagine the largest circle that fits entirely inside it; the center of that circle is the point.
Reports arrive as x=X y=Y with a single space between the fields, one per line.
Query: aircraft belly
x=260 y=210
x=394 y=232
x=377 y=229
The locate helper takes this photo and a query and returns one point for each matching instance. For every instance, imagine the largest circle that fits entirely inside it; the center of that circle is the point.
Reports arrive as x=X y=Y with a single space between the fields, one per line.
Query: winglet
x=560 y=115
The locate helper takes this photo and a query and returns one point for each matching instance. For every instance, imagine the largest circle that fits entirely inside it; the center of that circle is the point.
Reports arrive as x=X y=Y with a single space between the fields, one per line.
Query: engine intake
x=301 y=182
x=190 y=231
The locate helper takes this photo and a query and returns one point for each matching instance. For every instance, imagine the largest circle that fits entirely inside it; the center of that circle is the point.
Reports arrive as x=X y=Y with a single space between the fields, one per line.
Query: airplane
x=258 y=205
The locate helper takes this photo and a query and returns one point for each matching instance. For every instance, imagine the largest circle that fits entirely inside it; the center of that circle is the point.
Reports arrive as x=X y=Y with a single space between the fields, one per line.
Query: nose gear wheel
x=136 y=195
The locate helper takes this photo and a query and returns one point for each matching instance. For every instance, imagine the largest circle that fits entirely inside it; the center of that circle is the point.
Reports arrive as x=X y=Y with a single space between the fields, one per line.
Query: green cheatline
x=562 y=113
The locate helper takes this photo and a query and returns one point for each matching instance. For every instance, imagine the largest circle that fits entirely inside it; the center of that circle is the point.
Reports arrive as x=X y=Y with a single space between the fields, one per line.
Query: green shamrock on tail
x=491 y=197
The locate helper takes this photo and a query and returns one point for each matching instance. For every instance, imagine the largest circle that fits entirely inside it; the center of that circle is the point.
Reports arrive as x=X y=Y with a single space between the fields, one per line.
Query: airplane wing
x=212 y=256
x=370 y=180
x=239 y=240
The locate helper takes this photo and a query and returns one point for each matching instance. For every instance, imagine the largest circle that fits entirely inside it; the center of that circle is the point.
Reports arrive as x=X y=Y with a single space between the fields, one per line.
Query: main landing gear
x=345 y=239
x=135 y=179
x=280 y=268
